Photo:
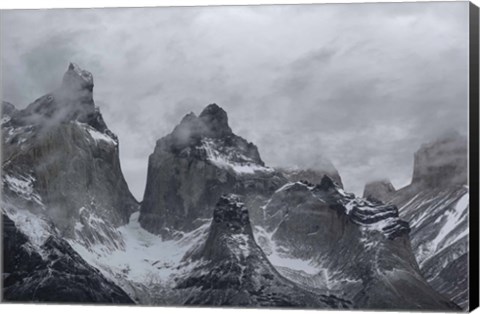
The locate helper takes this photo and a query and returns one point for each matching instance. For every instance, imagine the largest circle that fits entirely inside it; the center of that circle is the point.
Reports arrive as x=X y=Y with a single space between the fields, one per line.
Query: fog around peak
x=361 y=85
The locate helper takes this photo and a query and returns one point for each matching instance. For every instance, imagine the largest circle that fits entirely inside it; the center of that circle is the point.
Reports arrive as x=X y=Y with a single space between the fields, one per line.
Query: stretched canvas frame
x=217 y=224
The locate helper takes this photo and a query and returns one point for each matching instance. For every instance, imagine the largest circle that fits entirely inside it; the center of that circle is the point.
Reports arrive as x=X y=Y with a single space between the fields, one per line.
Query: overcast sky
x=363 y=85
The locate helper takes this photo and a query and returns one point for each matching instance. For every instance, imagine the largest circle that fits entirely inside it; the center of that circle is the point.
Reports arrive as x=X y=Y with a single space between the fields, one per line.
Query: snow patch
x=239 y=245
x=5 y=119
x=452 y=218
x=22 y=185
x=278 y=256
x=247 y=166
x=96 y=135
x=36 y=229
x=144 y=258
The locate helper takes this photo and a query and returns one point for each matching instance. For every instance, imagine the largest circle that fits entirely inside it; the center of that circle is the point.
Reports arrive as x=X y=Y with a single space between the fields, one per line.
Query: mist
x=359 y=86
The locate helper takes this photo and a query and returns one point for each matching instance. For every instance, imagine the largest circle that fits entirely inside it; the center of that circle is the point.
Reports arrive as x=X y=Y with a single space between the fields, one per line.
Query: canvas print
x=291 y=156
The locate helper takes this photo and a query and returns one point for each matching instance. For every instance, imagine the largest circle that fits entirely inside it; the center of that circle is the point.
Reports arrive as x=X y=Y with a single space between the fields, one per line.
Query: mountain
x=60 y=147
x=442 y=163
x=74 y=232
x=39 y=266
x=326 y=239
x=436 y=205
x=232 y=269
x=60 y=163
x=194 y=165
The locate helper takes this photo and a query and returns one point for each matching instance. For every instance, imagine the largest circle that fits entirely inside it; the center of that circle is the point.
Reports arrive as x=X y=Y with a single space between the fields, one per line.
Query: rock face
x=436 y=205
x=60 y=149
x=193 y=166
x=360 y=248
x=442 y=163
x=50 y=271
x=234 y=271
x=381 y=190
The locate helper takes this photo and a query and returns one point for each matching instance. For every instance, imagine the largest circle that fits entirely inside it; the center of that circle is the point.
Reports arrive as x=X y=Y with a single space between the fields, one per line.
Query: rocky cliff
x=436 y=205
x=60 y=148
x=442 y=163
x=234 y=271
x=193 y=166
x=357 y=248
x=61 y=181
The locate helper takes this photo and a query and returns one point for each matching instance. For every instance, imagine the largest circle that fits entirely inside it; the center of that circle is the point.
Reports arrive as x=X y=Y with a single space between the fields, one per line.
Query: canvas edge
x=474 y=155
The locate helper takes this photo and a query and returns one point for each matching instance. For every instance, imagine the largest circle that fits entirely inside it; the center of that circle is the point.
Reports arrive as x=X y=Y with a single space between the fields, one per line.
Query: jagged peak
x=77 y=79
x=211 y=123
x=213 y=110
x=188 y=117
x=231 y=209
x=71 y=101
x=215 y=119
x=85 y=75
x=8 y=108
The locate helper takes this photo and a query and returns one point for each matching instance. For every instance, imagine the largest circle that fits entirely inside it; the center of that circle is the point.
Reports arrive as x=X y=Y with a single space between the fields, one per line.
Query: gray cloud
x=362 y=85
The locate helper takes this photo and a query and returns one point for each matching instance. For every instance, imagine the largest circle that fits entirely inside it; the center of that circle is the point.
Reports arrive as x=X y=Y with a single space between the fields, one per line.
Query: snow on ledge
x=96 y=135
x=223 y=161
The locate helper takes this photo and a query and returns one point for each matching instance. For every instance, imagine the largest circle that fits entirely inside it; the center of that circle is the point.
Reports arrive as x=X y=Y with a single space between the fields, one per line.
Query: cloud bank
x=363 y=85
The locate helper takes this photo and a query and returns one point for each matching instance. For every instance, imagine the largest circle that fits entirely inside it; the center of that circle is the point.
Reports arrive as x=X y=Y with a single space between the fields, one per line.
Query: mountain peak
x=215 y=119
x=7 y=108
x=231 y=209
x=72 y=101
x=213 y=109
x=442 y=162
x=76 y=78
x=235 y=271
x=211 y=123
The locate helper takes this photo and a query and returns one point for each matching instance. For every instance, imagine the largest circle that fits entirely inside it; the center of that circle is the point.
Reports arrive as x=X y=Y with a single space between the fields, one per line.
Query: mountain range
x=216 y=225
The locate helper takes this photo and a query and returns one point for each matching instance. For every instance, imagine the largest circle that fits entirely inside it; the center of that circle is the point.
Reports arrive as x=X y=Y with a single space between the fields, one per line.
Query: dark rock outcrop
x=232 y=269
x=193 y=166
x=53 y=272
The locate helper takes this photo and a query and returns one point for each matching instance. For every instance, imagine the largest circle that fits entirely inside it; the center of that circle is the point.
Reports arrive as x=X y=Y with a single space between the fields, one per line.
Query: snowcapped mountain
x=76 y=169
x=436 y=205
x=233 y=270
x=60 y=163
x=193 y=166
x=216 y=226
x=325 y=239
